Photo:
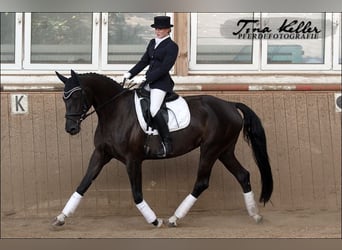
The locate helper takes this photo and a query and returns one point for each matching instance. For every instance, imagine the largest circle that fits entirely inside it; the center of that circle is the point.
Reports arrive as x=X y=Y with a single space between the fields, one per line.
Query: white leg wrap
x=72 y=204
x=185 y=206
x=146 y=211
x=251 y=206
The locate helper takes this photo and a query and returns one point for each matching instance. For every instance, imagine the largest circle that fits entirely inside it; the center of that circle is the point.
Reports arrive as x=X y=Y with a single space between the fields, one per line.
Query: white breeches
x=157 y=98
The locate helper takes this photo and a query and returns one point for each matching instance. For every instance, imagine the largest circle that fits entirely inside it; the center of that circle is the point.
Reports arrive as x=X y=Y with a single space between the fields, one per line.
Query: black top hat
x=161 y=22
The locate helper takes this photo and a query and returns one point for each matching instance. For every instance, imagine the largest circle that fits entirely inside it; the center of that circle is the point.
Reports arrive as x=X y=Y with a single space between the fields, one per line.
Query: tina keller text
x=288 y=30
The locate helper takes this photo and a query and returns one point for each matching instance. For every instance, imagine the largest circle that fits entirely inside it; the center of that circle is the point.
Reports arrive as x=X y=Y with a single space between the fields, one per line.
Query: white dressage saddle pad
x=178 y=111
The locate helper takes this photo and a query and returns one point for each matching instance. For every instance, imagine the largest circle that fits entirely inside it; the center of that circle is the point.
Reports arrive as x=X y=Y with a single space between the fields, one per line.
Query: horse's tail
x=254 y=134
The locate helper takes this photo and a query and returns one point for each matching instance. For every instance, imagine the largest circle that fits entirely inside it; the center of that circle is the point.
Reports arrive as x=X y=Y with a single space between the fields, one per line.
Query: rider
x=160 y=55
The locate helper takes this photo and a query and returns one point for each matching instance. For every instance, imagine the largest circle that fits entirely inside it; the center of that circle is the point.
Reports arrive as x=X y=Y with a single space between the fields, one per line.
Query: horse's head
x=75 y=102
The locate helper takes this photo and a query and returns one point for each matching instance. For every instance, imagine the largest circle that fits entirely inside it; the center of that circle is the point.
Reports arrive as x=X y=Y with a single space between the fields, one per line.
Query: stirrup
x=163 y=154
x=147 y=148
x=167 y=149
x=160 y=153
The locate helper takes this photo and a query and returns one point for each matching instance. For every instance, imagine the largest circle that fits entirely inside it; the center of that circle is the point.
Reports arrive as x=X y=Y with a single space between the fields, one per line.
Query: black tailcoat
x=160 y=61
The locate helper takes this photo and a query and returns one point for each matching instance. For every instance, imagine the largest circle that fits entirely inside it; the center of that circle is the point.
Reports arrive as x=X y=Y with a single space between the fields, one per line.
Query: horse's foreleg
x=242 y=176
x=97 y=161
x=201 y=184
x=182 y=210
x=135 y=177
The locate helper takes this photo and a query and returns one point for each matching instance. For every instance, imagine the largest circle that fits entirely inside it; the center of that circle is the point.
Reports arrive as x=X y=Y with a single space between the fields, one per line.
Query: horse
x=214 y=127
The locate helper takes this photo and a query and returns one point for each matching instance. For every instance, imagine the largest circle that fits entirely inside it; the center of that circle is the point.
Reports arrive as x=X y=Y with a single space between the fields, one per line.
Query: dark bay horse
x=214 y=127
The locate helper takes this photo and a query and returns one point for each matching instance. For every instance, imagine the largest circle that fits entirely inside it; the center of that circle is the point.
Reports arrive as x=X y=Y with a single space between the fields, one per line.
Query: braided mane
x=101 y=77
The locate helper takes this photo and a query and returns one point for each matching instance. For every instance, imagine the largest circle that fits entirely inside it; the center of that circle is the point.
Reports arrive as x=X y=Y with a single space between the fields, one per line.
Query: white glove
x=127 y=75
x=140 y=79
x=143 y=79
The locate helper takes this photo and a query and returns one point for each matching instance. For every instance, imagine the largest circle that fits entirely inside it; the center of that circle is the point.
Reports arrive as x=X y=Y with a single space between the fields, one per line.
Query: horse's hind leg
x=97 y=161
x=207 y=161
x=242 y=175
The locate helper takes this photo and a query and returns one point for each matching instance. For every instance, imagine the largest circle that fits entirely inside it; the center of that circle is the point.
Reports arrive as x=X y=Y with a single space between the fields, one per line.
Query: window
x=11 y=38
x=61 y=40
x=337 y=34
x=116 y=41
x=124 y=38
x=302 y=51
x=214 y=47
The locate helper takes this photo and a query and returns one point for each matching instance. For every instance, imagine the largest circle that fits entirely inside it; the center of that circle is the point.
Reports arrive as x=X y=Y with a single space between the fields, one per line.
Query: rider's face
x=161 y=33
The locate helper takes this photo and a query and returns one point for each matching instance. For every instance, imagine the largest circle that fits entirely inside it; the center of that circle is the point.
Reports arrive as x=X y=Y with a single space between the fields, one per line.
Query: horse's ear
x=61 y=77
x=74 y=75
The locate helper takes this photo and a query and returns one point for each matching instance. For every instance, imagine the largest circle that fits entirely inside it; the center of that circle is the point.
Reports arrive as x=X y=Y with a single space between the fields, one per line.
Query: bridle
x=85 y=105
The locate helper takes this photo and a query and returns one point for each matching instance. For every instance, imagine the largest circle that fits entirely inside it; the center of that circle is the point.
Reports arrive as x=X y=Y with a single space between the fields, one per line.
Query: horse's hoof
x=172 y=222
x=57 y=224
x=160 y=222
x=258 y=218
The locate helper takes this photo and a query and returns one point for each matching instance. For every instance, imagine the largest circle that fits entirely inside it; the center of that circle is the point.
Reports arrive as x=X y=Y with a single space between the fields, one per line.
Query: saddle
x=145 y=101
x=174 y=109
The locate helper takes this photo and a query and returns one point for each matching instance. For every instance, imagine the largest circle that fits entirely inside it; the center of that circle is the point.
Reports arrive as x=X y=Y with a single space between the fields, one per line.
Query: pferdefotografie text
x=295 y=29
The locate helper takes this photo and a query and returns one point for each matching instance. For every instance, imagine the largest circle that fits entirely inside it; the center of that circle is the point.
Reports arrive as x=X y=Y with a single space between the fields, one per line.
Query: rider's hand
x=143 y=79
x=126 y=76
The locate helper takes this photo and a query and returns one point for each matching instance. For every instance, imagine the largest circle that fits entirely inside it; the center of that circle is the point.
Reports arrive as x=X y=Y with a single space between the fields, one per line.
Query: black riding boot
x=164 y=133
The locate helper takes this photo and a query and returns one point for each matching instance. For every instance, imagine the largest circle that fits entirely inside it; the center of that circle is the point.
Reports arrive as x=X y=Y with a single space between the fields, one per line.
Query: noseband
x=85 y=107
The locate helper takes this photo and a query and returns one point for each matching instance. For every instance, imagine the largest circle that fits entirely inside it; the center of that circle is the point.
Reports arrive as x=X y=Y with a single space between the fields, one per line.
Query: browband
x=67 y=94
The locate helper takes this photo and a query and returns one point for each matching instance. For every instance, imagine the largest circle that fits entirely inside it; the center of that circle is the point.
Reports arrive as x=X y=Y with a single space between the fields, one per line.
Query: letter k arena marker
x=19 y=104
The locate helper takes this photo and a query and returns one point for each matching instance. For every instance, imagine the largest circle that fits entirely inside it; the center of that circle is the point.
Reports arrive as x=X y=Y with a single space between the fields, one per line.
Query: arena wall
x=41 y=165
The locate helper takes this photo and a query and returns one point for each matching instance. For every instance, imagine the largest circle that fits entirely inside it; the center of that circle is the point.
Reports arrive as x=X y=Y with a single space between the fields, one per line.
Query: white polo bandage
x=251 y=205
x=72 y=204
x=146 y=211
x=185 y=206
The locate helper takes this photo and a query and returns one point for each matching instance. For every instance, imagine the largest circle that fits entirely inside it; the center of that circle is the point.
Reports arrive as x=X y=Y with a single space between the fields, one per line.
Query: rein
x=104 y=104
